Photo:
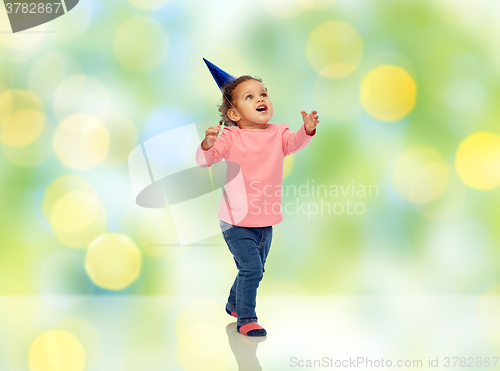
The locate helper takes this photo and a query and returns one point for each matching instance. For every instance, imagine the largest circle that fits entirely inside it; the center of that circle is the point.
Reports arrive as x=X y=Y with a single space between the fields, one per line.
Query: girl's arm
x=213 y=149
x=310 y=121
x=210 y=137
x=292 y=142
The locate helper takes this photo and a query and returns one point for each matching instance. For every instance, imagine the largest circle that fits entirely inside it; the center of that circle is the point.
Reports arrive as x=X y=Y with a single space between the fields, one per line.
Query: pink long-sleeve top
x=254 y=176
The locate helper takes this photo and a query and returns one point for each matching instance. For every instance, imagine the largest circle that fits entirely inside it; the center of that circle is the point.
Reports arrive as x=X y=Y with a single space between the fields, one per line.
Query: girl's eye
x=264 y=95
x=248 y=96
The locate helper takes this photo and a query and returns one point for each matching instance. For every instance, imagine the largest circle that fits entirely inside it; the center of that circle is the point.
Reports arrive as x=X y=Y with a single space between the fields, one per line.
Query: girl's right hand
x=211 y=136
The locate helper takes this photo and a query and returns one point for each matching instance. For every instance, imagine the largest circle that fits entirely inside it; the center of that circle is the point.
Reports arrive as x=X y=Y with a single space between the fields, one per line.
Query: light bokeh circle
x=3 y=86
x=315 y=4
x=49 y=71
x=388 y=93
x=22 y=128
x=140 y=44
x=61 y=186
x=448 y=205
x=12 y=101
x=56 y=350
x=113 y=261
x=420 y=175
x=199 y=344
x=73 y=24
x=81 y=141
x=122 y=137
x=74 y=211
x=288 y=165
x=82 y=94
x=478 y=161
x=334 y=49
x=283 y=8
x=148 y=4
x=24 y=133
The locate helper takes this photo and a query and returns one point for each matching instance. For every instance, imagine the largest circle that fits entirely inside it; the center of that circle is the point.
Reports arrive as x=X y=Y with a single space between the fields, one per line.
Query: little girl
x=251 y=204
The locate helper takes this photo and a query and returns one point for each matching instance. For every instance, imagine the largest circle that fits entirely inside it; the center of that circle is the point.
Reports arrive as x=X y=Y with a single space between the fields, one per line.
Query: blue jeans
x=249 y=247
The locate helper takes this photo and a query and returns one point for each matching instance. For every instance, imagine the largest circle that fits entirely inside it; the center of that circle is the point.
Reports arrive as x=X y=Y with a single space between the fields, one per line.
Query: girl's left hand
x=310 y=121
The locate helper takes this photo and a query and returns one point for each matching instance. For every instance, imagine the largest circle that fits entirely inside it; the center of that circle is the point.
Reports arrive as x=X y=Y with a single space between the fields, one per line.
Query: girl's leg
x=245 y=243
x=231 y=300
x=265 y=244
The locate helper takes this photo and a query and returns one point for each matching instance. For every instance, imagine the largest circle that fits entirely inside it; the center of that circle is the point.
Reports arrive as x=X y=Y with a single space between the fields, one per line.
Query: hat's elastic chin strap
x=236 y=109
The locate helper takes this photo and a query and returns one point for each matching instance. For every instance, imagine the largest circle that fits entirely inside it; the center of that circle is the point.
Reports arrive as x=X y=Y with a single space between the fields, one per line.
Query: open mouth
x=262 y=108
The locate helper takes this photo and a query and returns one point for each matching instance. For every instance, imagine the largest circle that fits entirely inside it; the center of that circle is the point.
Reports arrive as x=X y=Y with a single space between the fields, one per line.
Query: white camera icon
x=163 y=171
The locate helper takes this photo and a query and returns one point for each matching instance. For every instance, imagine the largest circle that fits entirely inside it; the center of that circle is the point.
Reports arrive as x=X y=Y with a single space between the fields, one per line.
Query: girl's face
x=252 y=102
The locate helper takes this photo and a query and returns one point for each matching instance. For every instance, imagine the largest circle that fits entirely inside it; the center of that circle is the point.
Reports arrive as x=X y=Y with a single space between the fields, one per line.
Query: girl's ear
x=233 y=115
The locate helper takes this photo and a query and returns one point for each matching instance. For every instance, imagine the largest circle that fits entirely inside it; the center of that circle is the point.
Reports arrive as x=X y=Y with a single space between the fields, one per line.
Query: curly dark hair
x=228 y=92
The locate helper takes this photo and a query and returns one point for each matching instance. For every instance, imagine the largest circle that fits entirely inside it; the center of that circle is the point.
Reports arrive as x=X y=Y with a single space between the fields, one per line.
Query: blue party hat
x=221 y=77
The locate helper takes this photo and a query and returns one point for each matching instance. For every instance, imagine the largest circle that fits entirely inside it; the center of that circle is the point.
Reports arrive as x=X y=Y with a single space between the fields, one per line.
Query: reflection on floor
x=195 y=333
x=244 y=348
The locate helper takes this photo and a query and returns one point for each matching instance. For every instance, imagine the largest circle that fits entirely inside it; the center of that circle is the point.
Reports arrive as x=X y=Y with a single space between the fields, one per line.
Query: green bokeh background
x=450 y=50
x=141 y=71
